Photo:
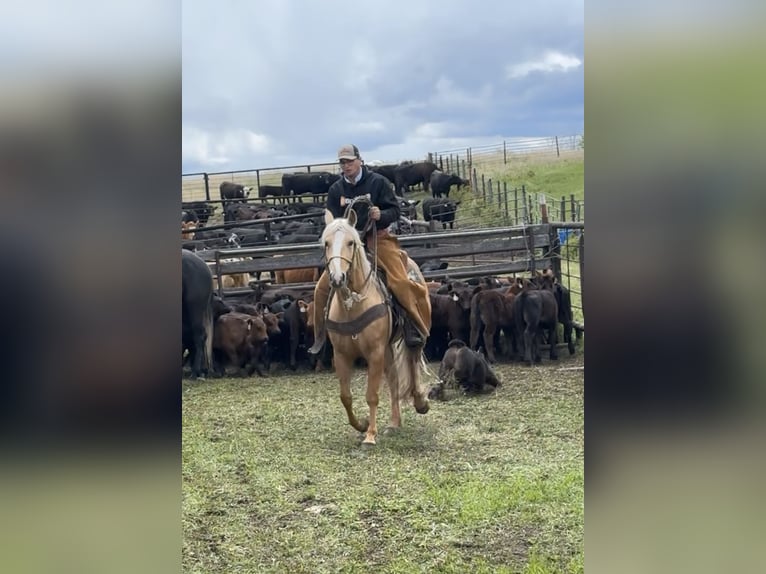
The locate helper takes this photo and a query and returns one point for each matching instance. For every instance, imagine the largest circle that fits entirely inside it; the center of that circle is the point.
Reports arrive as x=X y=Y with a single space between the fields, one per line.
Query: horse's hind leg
x=393 y=389
x=343 y=371
x=419 y=395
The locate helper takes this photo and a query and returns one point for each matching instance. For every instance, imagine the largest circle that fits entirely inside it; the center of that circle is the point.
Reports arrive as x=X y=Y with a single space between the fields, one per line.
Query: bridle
x=352 y=296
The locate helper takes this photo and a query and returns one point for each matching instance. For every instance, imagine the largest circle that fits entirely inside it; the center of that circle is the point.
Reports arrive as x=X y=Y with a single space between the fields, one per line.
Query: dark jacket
x=381 y=195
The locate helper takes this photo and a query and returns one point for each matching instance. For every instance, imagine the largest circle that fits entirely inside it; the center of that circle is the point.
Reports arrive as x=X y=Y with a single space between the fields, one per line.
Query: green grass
x=275 y=480
x=555 y=177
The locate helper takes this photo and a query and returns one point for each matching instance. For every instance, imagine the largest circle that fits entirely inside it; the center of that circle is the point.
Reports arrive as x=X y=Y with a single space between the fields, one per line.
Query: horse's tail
x=405 y=367
x=207 y=322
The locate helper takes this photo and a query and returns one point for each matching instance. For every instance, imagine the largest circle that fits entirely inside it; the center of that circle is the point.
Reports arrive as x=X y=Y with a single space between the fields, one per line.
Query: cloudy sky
x=271 y=83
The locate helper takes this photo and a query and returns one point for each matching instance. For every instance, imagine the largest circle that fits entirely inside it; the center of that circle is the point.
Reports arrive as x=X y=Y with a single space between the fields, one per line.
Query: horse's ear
x=352 y=218
x=328 y=217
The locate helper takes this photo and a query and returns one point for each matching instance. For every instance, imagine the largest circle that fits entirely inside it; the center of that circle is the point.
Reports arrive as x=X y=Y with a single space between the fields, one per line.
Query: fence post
x=531 y=209
x=489 y=185
x=579 y=205
x=449 y=157
x=573 y=209
x=465 y=173
x=558 y=153
x=441 y=164
x=207 y=186
x=469 y=155
x=430 y=157
x=543 y=208
x=474 y=182
x=258 y=180
x=499 y=198
x=524 y=213
x=483 y=188
x=505 y=194
x=555 y=245
x=505 y=154
x=515 y=205
x=563 y=208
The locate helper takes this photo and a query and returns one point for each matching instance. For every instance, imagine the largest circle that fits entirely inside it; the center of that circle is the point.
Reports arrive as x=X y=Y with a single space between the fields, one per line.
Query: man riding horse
x=383 y=210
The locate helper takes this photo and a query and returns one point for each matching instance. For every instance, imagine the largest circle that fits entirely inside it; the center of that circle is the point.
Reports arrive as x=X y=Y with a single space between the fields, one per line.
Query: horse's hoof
x=367 y=444
x=423 y=409
x=390 y=430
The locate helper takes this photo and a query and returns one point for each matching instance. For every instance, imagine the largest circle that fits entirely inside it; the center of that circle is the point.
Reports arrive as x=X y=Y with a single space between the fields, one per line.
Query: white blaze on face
x=336 y=274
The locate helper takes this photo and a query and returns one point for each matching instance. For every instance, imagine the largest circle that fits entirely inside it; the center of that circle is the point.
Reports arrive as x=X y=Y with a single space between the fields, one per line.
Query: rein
x=369 y=227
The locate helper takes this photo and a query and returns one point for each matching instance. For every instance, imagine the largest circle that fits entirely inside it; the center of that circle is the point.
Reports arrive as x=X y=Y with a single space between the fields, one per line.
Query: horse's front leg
x=343 y=368
x=375 y=368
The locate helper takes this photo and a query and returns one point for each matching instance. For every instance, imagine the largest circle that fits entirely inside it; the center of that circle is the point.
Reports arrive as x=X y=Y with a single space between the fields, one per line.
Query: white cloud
x=398 y=87
x=369 y=127
x=550 y=62
x=223 y=147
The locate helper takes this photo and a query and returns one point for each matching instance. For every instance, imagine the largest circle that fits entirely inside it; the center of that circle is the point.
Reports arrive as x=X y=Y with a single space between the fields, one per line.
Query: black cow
x=535 y=310
x=433 y=265
x=196 y=313
x=201 y=209
x=300 y=208
x=386 y=170
x=295 y=238
x=406 y=175
x=442 y=182
x=467 y=367
x=273 y=191
x=234 y=192
x=251 y=236
x=440 y=209
x=315 y=183
x=409 y=208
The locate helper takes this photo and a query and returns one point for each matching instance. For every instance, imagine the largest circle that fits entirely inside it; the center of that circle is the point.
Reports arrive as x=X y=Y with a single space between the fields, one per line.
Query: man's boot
x=413 y=338
x=320 y=334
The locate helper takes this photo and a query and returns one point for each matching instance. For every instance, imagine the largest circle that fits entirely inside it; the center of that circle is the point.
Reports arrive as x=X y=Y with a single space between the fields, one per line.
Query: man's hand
x=375 y=213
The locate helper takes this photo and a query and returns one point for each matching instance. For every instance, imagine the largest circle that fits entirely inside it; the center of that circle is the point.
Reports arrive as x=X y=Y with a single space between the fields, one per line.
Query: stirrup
x=412 y=336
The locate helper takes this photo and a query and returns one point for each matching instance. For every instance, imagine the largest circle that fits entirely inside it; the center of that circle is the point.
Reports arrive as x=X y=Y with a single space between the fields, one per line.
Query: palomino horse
x=360 y=323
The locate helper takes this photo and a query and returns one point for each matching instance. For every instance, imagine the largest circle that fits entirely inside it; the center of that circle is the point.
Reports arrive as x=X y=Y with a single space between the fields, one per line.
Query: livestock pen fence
x=470 y=163
x=521 y=249
x=203 y=186
x=493 y=226
x=496 y=202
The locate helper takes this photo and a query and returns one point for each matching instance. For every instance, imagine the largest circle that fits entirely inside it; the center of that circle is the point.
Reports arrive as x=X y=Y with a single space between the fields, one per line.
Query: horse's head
x=342 y=247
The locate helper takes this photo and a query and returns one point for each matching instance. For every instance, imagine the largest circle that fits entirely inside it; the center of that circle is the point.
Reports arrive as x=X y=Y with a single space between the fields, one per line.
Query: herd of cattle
x=402 y=177
x=198 y=235
x=507 y=318
x=246 y=334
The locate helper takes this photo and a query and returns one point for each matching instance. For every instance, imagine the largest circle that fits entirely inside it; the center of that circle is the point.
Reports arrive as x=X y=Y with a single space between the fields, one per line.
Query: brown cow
x=240 y=339
x=300 y=275
x=494 y=310
x=187 y=230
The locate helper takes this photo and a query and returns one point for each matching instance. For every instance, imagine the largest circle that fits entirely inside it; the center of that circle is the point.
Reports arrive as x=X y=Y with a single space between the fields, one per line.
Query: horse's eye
x=350 y=244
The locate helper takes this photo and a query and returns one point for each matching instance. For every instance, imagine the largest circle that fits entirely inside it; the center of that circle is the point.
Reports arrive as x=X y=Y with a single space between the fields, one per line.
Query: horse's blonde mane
x=340 y=224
